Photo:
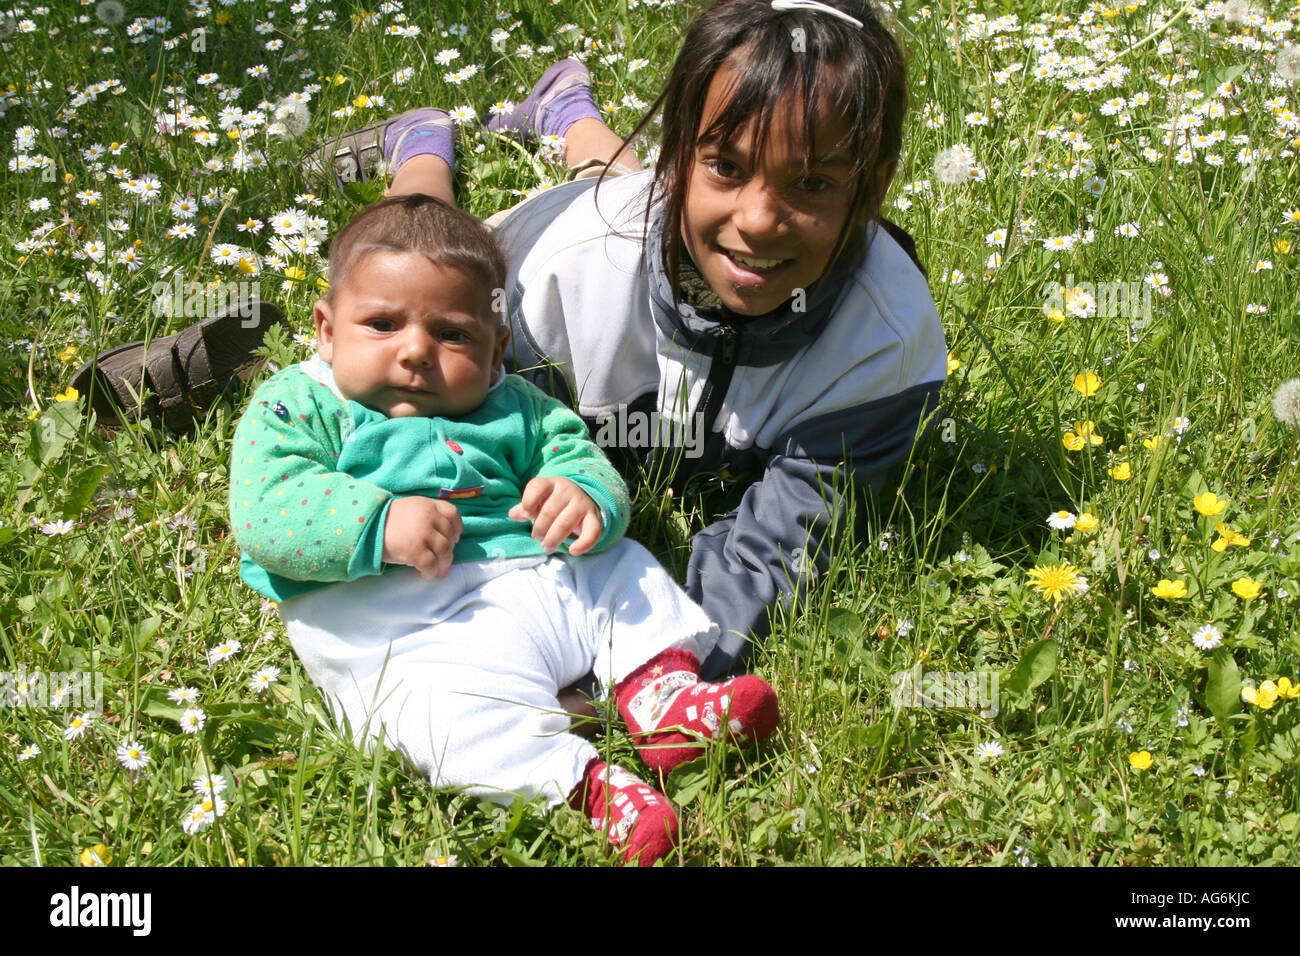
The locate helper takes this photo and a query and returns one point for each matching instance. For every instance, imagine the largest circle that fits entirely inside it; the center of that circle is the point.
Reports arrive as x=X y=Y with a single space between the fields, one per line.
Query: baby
x=382 y=493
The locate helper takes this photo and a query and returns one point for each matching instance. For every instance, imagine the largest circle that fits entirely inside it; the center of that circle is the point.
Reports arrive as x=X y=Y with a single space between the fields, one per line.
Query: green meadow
x=1068 y=638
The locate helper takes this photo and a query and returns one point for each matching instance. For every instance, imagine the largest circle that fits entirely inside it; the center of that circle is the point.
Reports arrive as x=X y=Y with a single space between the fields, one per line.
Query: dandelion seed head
x=1286 y=402
x=110 y=12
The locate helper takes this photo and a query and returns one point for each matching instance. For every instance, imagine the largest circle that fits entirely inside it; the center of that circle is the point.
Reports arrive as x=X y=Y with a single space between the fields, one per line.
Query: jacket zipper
x=715 y=389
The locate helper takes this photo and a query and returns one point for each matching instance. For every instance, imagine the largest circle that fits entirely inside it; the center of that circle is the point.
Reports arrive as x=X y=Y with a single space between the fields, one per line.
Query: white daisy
x=28 y=752
x=223 y=651
x=989 y=750
x=77 y=726
x=1061 y=520
x=209 y=785
x=132 y=756
x=263 y=679
x=192 y=720
x=1207 y=638
x=183 y=695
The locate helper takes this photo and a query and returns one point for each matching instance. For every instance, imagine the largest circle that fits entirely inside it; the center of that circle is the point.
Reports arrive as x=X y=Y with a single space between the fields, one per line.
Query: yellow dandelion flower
x=1209 y=504
x=954 y=363
x=97 y=855
x=293 y=272
x=1073 y=442
x=1089 y=431
x=1086 y=522
x=1087 y=384
x=69 y=394
x=1057 y=581
x=1266 y=695
x=69 y=355
x=1245 y=588
x=1282 y=246
x=1140 y=760
x=1287 y=689
x=361 y=101
x=1121 y=472
x=1228 y=536
x=1248 y=694
x=1152 y=443
x=1170 y=589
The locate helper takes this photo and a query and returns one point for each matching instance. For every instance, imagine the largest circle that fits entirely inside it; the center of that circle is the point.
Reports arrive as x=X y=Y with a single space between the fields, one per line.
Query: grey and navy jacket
x=819 y=400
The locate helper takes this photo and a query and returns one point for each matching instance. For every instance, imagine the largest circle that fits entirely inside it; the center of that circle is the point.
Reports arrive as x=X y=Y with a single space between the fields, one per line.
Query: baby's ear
x=503 y=340
x=324 y=316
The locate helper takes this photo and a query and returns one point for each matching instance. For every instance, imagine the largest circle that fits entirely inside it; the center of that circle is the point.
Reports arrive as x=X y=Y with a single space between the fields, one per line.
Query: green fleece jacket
x=312 y=476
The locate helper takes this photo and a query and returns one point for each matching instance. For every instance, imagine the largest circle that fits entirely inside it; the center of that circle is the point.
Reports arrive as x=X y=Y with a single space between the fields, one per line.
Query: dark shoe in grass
x=185 y=373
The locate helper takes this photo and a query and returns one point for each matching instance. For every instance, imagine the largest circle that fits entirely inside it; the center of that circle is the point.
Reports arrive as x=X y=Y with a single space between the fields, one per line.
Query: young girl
x=740 y=309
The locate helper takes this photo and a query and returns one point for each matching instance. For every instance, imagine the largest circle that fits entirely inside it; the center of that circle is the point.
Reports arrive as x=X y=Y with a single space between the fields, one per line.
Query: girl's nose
x=761 y=211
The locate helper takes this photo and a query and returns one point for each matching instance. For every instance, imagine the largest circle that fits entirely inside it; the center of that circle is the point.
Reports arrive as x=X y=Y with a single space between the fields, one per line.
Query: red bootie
x=634 y=816
x=666 y=692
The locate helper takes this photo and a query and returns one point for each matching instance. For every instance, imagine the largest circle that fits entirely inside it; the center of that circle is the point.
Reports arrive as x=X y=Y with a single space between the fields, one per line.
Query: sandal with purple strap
x=355 y=157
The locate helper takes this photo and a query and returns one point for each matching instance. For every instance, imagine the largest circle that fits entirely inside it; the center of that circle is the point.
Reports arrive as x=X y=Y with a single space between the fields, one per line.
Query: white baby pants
x=461 y=674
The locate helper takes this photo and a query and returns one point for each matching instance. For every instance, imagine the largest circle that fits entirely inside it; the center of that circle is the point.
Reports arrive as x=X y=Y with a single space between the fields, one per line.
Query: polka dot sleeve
x=565 y=450
x=291 y=511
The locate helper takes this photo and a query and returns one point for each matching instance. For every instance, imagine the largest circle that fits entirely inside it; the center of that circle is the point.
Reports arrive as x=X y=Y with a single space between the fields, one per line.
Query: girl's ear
x=885 y=176
x=324 y=317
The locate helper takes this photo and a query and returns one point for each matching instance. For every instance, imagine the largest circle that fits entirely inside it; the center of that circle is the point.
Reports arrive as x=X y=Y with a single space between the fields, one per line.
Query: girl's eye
x=723 y=169
x=814 y=184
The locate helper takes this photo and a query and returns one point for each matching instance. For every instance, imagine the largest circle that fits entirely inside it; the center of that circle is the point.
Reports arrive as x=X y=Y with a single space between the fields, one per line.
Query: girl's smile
x=760 y=228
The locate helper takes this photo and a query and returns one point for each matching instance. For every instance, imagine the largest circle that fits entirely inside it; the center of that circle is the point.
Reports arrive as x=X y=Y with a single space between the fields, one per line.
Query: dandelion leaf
x=1036 y=665
x=81 y=489
x=1223 y=686
x=364 y=193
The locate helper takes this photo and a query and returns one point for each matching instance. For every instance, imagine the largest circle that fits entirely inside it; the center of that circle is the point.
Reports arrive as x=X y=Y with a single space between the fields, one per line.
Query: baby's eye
x=454 y=335
x=381 y=325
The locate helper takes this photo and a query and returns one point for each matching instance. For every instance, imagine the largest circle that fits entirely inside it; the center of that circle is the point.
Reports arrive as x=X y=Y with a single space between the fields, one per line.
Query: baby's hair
x=827 y=63
x=443 y=234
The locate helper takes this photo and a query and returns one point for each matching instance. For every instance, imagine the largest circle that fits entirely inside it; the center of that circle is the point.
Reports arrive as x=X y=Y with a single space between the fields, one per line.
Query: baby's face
x=406 y=337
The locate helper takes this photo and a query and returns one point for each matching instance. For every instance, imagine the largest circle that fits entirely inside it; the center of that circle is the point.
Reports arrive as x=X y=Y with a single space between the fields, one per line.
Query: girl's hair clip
x=785 y=6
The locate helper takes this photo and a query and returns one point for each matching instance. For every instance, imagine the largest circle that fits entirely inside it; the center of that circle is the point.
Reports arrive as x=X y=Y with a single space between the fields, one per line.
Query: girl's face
x=758 y=227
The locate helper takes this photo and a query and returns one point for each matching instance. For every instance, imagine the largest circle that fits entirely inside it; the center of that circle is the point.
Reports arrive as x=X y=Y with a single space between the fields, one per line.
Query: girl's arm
x=780 y=538
x=291 y=511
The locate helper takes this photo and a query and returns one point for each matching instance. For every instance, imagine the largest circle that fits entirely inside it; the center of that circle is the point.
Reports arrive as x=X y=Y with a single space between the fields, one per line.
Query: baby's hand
x=421 y=532
x=559 y=508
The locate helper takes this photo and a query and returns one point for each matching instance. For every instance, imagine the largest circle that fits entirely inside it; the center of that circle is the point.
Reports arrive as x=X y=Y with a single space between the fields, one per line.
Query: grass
x=143 y=584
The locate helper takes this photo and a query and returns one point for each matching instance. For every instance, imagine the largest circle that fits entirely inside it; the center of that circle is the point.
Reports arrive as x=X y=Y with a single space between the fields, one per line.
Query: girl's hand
x=421 y=533
x=558 y=508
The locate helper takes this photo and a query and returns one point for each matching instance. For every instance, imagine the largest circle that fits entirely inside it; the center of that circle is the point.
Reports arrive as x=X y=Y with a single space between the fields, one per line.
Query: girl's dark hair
x=829 y=65
x=443 y=234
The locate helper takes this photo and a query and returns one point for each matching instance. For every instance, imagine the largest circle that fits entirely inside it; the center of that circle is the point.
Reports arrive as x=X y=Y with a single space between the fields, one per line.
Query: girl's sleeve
x=292 y=512
x=564 y=450
x=781 y=537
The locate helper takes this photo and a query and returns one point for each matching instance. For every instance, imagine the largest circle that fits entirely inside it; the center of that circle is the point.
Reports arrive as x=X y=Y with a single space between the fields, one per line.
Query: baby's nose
x=419 y=347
